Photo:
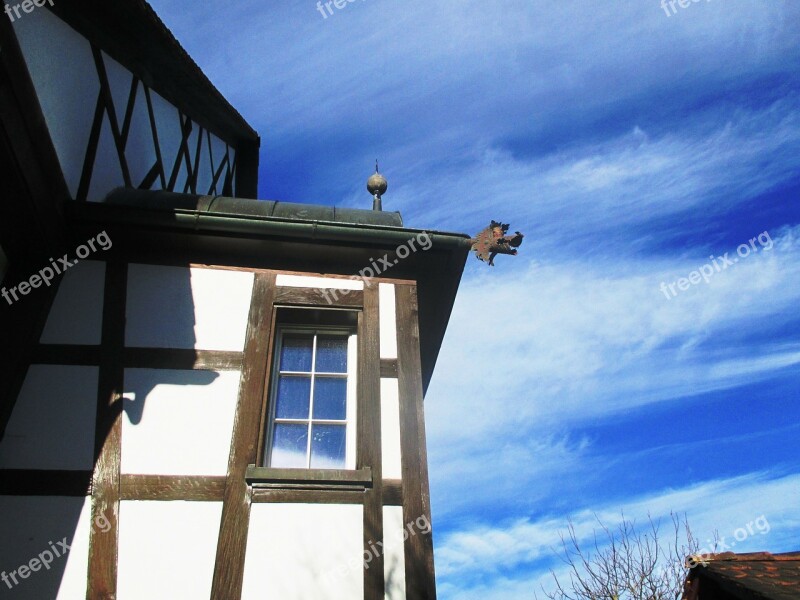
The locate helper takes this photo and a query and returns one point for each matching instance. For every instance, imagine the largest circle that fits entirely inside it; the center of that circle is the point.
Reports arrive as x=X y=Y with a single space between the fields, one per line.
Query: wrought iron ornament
x=492 y=241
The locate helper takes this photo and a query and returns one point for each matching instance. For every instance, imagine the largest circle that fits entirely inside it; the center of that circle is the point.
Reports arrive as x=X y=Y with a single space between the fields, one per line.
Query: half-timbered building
x=202 y=395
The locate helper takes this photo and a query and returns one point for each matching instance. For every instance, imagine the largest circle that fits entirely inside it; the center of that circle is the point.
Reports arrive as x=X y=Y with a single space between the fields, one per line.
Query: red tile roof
x=754 y=576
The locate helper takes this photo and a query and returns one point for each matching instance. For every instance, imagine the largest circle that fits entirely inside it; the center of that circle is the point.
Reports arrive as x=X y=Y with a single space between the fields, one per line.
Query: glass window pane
x=330 y=398
x=331 y=354
x=296 y=353
x=294 y=394
x=289 y=446
x=328 y=447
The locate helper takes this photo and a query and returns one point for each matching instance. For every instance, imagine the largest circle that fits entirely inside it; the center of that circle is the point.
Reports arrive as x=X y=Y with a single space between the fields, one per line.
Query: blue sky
x=630 y=147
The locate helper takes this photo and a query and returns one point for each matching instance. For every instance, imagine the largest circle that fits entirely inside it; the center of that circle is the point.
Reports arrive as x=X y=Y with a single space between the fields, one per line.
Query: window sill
x=267 y=477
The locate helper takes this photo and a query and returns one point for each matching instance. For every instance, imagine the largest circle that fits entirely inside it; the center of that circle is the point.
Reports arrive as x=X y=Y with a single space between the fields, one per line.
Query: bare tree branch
x=626 y=562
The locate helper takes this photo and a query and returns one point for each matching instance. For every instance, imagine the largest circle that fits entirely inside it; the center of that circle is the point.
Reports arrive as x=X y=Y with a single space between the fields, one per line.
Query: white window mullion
x=350 y=433
x=311 y=400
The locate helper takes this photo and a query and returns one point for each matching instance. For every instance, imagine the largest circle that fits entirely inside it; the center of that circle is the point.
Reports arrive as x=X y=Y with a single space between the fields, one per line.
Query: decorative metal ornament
x=377 y=186
x=492 y=241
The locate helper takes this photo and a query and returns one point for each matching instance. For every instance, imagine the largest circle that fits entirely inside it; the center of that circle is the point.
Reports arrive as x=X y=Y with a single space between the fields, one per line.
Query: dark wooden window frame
x=360 y=478
x=247 y=442
x=364 y=485
x=269 y=477
x=351 y=376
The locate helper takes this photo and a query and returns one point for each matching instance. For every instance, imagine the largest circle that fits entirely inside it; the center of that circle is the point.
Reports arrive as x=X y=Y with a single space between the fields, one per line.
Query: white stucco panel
x=394 y=565
x=178 y=422
x=60 y=63
x=76 y=316
x=388 y=320
x=390 y=429
x=167 y=549
x=53 y=421
x=49 y=536
x=179 y=307
x=302 y=551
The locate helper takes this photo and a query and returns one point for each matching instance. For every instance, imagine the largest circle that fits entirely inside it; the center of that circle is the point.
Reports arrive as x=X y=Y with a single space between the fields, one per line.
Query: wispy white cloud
x=558 y=345
x=614 y=189
x=379 y=52
x=574 y=340
x=385 y=75
x=488 y=557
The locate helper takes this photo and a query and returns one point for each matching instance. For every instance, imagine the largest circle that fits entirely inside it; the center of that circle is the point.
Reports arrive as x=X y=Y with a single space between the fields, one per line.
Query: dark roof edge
x=125 y=204
x=746 y=557
x=264 y=226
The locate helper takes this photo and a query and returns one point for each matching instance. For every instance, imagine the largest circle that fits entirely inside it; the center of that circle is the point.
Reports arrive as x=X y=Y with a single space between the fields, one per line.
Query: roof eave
x=181 y=236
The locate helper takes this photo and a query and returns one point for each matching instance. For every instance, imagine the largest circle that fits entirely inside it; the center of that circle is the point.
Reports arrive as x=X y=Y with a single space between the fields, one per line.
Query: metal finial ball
x=377 y=185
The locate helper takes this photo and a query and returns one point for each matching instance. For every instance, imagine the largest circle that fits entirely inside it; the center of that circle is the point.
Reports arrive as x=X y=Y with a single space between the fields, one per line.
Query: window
x=312 y=402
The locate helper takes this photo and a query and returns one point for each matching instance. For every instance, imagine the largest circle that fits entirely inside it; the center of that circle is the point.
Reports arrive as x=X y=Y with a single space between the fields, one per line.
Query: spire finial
x=377 y=185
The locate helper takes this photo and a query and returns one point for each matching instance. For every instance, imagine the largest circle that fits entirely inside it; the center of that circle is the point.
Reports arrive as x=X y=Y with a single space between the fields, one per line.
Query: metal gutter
x=315 y=230
x=259 y=225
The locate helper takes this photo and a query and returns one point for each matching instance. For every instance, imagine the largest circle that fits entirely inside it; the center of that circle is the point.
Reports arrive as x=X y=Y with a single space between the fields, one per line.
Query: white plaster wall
x=319 y=282
x=388 y=320
x=107 y=172
x=77 y=313
x=180 y=307
x=167 y=549
x=32 y=526
x=63 y=73
x=390 y=429
x=394 y=566
x=52 y=425
x=178 y=422
x=169 y=135
x=140 y=151
x=302 y=551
